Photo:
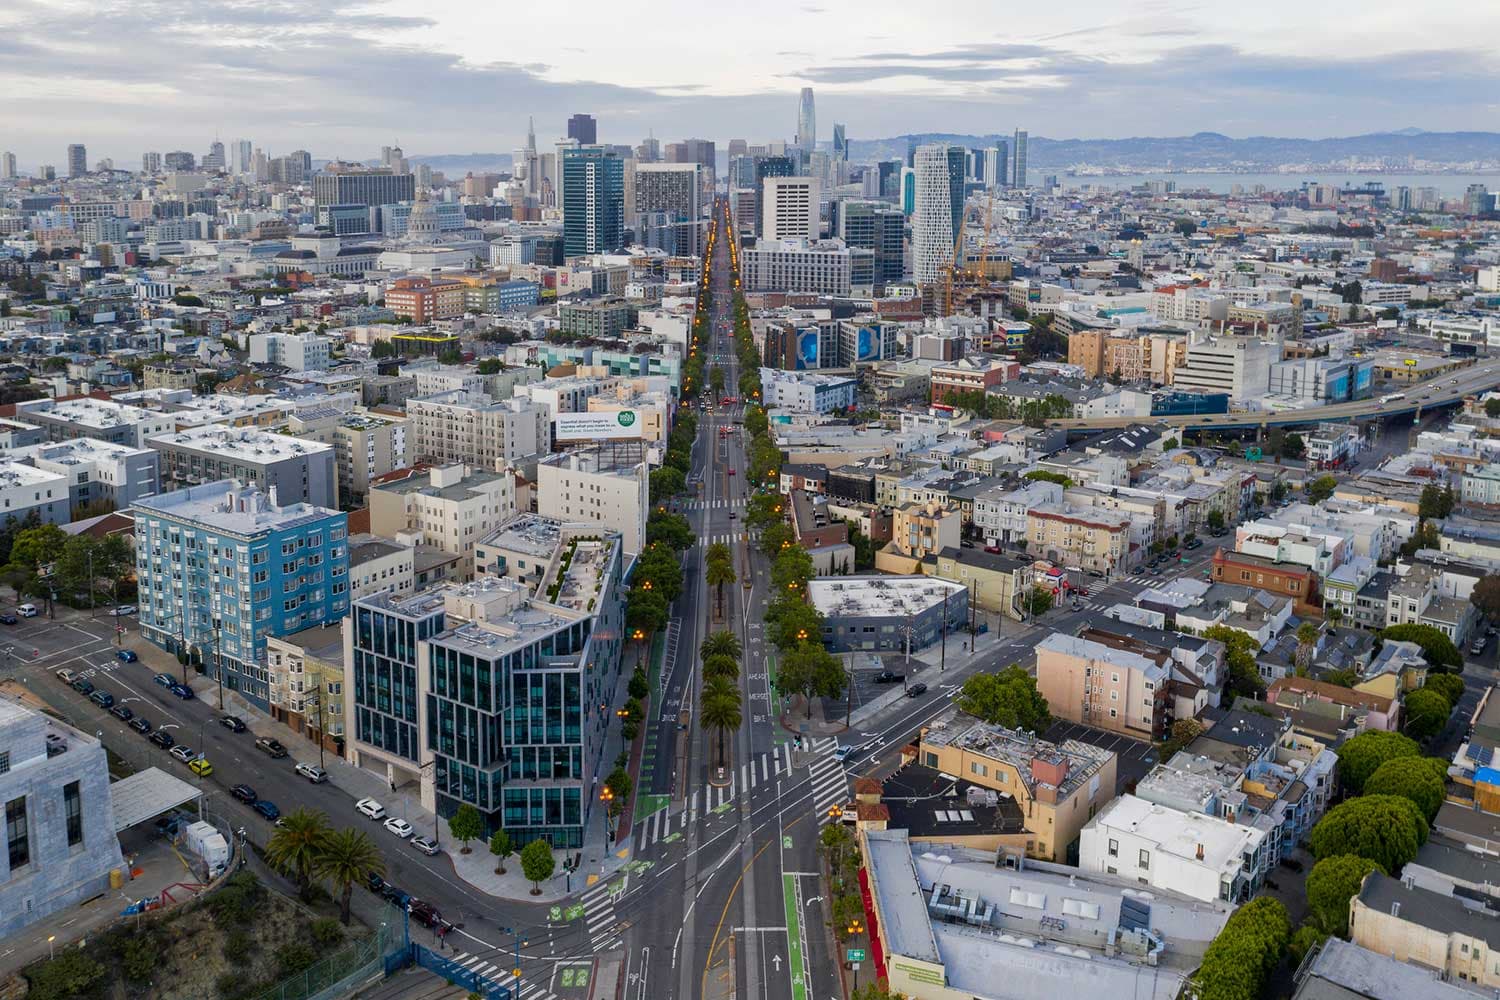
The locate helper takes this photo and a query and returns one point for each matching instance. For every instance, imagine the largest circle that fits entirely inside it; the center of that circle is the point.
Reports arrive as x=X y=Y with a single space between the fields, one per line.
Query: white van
x=27 y=611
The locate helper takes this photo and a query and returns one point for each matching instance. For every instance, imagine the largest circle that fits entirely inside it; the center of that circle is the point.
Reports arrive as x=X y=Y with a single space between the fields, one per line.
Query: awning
x=147 y=793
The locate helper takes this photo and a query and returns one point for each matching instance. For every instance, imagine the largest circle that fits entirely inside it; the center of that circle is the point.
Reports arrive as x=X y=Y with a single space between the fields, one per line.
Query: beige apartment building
x=652 y=409
x=1428 y=929
x=1105 y=352
x=1115 y=687
x=1059 y=786
x=1092 y=540
x=365 y=446
x=919 y=531
x=475 y=430
x=449 y=507
x=306 y=674
x=606 y=484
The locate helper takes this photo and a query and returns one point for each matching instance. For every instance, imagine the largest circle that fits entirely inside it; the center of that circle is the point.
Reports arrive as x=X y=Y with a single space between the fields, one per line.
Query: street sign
x=855 y=955
x=1252 y=454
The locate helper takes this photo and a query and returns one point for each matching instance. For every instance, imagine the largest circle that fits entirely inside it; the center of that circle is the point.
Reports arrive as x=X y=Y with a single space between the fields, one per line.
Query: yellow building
x=306 y=673
x=996 y=583
x=1058 y=786
x=1428 y=929
x=1086 y=538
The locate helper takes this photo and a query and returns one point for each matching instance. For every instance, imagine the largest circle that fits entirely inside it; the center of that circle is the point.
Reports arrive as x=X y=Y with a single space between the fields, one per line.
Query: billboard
x=867 y=345
x=612 y=425
x=807 y=348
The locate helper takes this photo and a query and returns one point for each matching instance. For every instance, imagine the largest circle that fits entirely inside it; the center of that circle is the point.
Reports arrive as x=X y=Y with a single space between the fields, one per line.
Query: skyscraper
x=649 y=151
x=767 y=166
x=934 y=216
x=807 y=122
x=242 y=157
x=737 y=147
x=215 y=158
x=151 y=163
x=791 y=208
x=669 y=192
x=840 y=143
x=7 y=166
x=996 y=165
x=584 y=129
x=1018 y=171
x=78 y=160
x=593 y=200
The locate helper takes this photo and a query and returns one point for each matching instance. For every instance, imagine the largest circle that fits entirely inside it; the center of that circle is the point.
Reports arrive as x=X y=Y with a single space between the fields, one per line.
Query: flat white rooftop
x=241 y=443
x=871 y=596
x=1181 y=834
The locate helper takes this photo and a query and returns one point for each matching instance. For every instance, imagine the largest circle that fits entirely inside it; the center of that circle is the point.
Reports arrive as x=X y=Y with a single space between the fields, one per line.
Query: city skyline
x=1158 y=69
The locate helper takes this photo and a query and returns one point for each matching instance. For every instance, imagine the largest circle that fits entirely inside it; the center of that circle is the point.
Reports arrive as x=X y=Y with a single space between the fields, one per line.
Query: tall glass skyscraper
x=593 y=200
x=1018 y=172
x=807 y=122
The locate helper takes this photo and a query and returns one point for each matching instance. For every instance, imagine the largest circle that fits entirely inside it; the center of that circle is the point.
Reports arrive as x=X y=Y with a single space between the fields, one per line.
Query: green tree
x=720 y=643
x=1360 y=756
x=793 y=621
x=645 y=611
x=1331 y=884
x=66 y=977
x=764 y=509
x=1236 y=964
x=1321 y=489
x=34 y=547
x=666 y=482
x=465 y=825
x=1387 y=829
x=1450 y=686
x=345 y=857
x=1304 y=939
x=811 y=671
x=671 y=530
x=1486 y=593
x=791 y=570
x=1411 y=778
x=716 y=380
x=1492 y=408
x=774 y=538
x=718 y=571
x=490 y=366
x=451 y=356
x=1047 y=476
x=1183 y=732
x=1307 y=643
x=295 y=846
x=1426 y=713
x=537 y=864
x=502 y=848
x=1216 y=520
x=1435 y=502
x=1239 y=659
x=1006 y=698
x=1184 y=227
x=1038 y=601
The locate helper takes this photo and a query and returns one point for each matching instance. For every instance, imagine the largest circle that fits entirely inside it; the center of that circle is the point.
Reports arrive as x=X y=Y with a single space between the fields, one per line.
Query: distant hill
x=1210 y=150
x=455 y=165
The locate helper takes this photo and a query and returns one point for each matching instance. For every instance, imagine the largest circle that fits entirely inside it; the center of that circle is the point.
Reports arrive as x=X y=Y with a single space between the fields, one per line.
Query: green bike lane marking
x=793 y=935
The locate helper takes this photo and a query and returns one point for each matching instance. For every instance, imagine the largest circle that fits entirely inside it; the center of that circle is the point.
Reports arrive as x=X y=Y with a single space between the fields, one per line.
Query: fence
x=453 y=972
x=337 y=974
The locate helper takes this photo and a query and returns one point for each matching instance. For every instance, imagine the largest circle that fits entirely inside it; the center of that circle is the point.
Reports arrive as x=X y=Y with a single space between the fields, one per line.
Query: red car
x=731 y=472
x=992 y=549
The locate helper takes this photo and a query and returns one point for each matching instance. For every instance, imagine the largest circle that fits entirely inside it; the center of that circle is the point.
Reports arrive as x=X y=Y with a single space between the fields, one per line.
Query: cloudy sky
x=460 y=77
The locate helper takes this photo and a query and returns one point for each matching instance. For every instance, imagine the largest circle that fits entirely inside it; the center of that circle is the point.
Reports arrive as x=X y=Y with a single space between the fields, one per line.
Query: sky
x=461 y=77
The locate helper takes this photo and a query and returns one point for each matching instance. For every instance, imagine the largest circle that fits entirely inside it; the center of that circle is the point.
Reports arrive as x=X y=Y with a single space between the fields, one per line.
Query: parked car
x=271 y=747
x=233 y=723
x=165 y=680
x=140 y=725
x=426 y=845
x=164 y=739
x=122 y=713
x=423 y=913
x=889 y=677
x=122 y=610
x=370 y=809
x=82 y=686
x=266 y=808
x=993 y=550
x=916 y=690
x=66 y=676
x=399 y=827
x=183 y=752
x=9 y=619
x=244 y=793
x=182 y=691
x=27 y=611
x=127 y=655
x=1477 y=646
x=395 y=896
x=1196 y=543
x=312 y=772
x=201 y=767
x=374 y=882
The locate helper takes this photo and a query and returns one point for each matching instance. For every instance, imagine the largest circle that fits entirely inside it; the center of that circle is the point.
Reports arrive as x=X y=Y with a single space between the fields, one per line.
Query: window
x=980 y=769
x=4 y=761
x=17 y=836
x=1114 y=848
x=73 y=810
x=1145 y=859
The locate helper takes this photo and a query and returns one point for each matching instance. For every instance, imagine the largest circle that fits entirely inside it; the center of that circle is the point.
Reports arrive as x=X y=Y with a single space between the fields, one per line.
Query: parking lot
x=1135 y=757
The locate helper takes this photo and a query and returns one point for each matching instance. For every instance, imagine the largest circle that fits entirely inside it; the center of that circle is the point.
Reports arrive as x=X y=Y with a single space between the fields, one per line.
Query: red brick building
x=1286 y=579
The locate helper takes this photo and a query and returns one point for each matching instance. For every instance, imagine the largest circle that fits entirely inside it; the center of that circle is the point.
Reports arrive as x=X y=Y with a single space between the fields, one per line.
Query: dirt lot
x=234 y=944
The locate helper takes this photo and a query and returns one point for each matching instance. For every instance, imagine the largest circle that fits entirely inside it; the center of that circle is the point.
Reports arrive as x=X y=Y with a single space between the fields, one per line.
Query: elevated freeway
x=1414 y=399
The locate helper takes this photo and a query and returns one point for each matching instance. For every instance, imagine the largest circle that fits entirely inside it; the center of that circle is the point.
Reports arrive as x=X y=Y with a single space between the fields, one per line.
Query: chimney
x=1396 y=909
x=1200 y=852
x=271 y=496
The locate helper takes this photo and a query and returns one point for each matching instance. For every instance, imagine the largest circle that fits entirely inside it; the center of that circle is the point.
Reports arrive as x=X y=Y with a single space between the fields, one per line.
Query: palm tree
x=721 y=643
x=721 y=713
x=348 y=856
x=717 y=573
x=1307 y=642
x=295 y=846
x=715 y=667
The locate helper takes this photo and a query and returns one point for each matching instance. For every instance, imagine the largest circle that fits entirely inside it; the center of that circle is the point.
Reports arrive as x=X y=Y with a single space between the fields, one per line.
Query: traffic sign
x=855 y=955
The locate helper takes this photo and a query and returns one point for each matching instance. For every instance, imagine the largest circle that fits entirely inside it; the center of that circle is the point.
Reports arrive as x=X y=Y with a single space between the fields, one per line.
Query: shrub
x=327 y=932
x=293 y=957
x=237 y=946
x=140 y=955
x=69 y=975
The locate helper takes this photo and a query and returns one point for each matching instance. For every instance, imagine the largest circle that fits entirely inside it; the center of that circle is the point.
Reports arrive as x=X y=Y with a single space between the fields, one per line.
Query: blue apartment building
x=221 y=567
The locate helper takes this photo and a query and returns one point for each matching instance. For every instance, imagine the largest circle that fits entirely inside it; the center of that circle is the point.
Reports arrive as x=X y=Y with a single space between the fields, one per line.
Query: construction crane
x=972 y=275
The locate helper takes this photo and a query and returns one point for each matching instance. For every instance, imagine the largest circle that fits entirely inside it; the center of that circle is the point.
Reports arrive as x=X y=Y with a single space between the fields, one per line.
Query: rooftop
x=1221 y=843
x=1018 y=748
x=879 y=596
x=363 y=548
x=416 y=606
x=1344 y=971
x=1072 y=645
x=228 y=505
x=1444 y=914
x=86 y=412
x=241 y=443
x=534 y=534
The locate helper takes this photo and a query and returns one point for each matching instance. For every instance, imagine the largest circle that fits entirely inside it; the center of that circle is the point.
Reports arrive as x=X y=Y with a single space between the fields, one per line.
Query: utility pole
x=943 y=661
x=91 y=581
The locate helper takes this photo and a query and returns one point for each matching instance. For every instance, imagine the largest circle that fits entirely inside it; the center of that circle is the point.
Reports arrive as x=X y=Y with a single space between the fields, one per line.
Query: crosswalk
x=1094 y=605
x=729 y=539
x=501 y=975
x=599 y=915
x=738 y=503
x=830 y=787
